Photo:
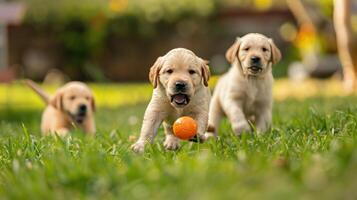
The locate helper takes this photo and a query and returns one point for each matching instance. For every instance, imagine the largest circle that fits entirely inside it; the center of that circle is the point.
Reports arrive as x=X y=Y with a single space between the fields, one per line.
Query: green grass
x=311 y=152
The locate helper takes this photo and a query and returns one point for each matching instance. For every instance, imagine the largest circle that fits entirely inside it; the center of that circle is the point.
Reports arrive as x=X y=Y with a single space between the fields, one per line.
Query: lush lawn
x=310 y=152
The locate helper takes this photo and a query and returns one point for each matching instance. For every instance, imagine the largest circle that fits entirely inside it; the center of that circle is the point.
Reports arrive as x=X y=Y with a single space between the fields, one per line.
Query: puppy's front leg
x=234 y=112
x=171 y=142
x=263 y=119
x=202 y=123
x=61 y=132
x=214 y=119
x=151 y=123
x=89 y=127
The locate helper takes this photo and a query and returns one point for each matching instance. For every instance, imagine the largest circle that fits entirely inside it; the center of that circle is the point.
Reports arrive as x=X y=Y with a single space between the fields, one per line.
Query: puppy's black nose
x=83 y=108
x=255 y=59
x=180 y=86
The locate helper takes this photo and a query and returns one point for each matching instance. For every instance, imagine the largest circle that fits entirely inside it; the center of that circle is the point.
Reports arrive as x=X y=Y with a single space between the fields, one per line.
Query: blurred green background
x=118 y=40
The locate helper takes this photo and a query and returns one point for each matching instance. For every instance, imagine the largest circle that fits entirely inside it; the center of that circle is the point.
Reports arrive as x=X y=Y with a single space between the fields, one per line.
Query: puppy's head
x=180 y=73
x=76 y=100
x=255 y=54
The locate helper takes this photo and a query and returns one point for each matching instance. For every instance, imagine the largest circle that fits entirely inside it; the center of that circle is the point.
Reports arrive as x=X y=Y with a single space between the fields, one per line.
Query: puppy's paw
x=138 y=147
x=171 y=143
x=209 y=135
x=201 y=138
x=262 y=130
x=62 y=132
x=262 y=126
x=241 y=127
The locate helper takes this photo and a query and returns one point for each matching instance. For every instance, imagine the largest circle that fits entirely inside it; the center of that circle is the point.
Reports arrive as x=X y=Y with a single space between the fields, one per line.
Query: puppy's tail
x=44 y=96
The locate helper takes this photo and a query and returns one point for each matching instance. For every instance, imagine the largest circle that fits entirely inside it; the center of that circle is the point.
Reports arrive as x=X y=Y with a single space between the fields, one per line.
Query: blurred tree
x=83 y=26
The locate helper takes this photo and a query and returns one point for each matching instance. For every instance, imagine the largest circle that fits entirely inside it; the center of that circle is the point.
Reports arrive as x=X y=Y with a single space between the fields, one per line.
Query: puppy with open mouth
x=180 y=81
x=244 y=93
x=72 y=105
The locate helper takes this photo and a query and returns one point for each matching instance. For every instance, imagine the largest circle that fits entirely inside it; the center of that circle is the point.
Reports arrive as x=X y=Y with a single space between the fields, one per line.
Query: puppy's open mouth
x=255 y=69
x=180 y=99
x=79 y=117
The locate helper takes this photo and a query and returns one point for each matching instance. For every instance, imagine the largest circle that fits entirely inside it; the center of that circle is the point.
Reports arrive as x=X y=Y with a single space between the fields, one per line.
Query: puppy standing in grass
x=244 y=93
x=180 y=81
x=72 y=105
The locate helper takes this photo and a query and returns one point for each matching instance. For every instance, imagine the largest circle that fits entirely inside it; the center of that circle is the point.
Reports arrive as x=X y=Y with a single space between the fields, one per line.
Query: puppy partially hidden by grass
x=180 y=81
x=72 y=106
x=244 y=93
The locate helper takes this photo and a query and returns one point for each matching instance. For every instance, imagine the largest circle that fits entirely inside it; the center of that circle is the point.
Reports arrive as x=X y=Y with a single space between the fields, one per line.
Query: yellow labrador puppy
x=71 y=106
x=245 y=91
x=180 y=81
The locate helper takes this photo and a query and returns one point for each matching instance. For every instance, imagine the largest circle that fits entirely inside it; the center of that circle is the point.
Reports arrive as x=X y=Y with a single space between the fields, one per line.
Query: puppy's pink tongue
x=180 y=98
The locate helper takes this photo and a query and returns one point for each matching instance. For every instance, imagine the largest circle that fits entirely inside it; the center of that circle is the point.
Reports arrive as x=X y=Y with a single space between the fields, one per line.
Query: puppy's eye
x=264 y=49
x=72 y=97
x=169 y=71
x=192 y=71
x=246 y=49
x=87 y=98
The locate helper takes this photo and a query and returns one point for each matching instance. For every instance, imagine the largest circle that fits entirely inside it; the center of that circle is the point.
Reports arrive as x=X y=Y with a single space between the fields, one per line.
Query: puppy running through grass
x=72 y=106
x=245 y=91
x=180 y=81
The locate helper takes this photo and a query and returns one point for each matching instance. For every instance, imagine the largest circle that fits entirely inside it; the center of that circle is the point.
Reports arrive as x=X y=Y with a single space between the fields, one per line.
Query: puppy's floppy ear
x=56 y=101
x=154 y=71
x=232 y=52
x=275 y=52
x=206 y=74
x=92 y=103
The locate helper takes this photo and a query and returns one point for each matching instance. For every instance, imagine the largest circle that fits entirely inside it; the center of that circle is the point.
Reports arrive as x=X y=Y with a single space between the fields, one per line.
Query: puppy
x=245 y=91
x=72 y=106
x=180 y=81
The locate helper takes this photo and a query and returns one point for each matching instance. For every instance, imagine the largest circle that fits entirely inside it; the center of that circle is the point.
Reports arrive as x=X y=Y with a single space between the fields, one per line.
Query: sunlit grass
x=284 y=88
x=114 y=95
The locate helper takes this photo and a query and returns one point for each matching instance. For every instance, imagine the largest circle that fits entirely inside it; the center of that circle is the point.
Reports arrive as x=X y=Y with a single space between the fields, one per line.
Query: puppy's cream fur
x=178 y=65
x=63 y=109
x=242 y=94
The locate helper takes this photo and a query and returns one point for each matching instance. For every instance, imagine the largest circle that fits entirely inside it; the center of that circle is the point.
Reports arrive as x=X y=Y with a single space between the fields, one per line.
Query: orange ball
x=185 y=128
